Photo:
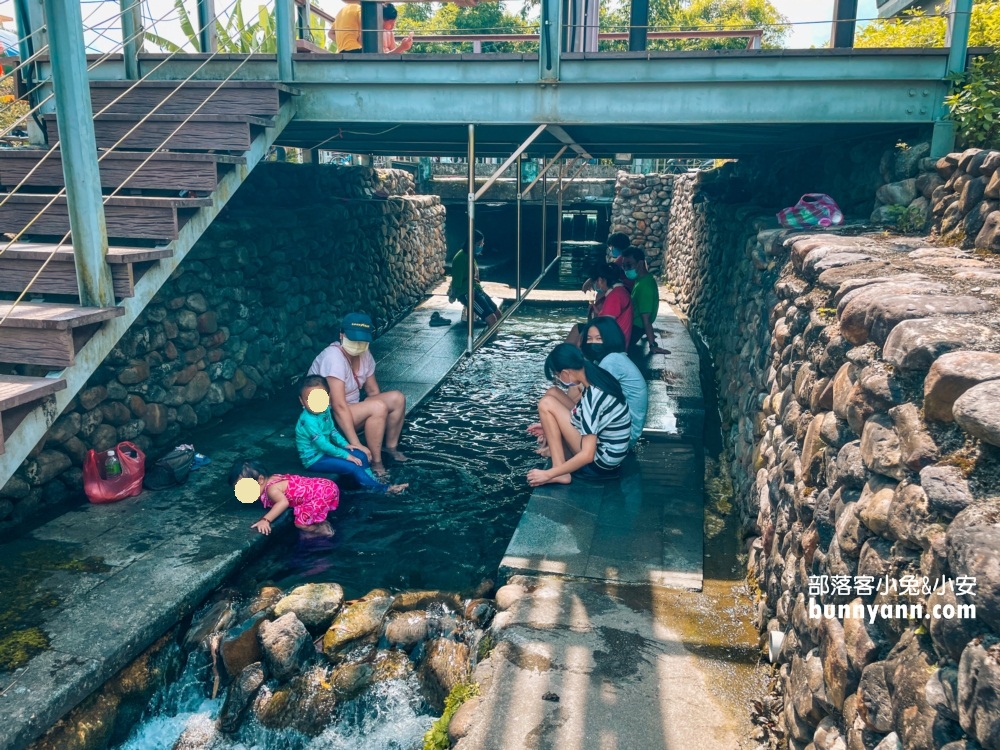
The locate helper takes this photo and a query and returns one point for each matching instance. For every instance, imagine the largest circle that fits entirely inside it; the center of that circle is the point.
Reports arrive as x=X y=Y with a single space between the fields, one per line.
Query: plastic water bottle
x=112 y=466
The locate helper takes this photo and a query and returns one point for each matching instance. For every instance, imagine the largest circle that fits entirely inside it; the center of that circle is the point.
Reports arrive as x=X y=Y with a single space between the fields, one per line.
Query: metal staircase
x=202 y=141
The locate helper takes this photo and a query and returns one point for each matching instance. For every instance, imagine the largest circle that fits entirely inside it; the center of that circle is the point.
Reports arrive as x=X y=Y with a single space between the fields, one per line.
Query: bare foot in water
x=395 y=489
x=396 y=455
x=535 y=430
x=318 y=529
x=538 y=477
x=379 y=469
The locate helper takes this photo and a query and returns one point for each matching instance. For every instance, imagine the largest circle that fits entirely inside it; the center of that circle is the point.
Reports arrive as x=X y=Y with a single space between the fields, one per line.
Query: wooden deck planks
x=16 y=390
x=233 y=98
x=117 y=170
x=51 y=316
x=200 y=133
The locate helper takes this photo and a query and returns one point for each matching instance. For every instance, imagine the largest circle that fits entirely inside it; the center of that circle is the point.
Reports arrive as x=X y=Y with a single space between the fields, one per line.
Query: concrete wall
x=858 y=379
x=259 y=295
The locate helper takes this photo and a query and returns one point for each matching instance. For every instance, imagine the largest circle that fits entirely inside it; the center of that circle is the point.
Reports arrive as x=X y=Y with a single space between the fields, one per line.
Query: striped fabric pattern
x=601 y=414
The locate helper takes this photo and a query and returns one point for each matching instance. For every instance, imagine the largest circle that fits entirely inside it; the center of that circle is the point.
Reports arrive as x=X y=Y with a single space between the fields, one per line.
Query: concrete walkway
x=645 y=528
x=97 y=585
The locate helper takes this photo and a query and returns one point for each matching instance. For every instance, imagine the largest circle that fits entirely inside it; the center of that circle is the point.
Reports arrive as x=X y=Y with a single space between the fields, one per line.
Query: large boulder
x=358 y=621
x=286 y=645
x=973 y=543
x=445 y=664
x=953 y=374
x=915 y=345
x=239 y=696
x=976 y=412
x=315 y=604
x=979 y=692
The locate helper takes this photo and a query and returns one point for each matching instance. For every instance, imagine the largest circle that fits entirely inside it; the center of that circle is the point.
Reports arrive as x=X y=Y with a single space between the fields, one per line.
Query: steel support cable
x=40 y=52
x=55 y=146
x=166 y=140
x=99 y=61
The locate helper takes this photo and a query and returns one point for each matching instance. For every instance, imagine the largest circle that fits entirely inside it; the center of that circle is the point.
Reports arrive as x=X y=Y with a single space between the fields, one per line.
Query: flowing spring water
x=469 y=457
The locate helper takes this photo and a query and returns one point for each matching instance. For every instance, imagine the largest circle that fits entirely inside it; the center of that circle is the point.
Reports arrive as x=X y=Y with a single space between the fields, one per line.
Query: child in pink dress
x=310 y=498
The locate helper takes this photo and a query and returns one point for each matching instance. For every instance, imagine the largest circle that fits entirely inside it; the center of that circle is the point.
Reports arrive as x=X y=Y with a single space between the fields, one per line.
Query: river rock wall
x=859 y=391
x=956 y=196
x=641 y=209
x=254 y=301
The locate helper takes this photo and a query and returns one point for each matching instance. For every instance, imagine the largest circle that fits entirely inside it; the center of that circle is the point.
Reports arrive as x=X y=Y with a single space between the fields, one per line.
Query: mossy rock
x=19 y=647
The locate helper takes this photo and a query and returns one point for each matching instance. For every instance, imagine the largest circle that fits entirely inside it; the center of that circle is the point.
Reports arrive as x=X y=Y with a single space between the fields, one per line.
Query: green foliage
x=975 y=98
x=975 y=103
x=690 y=15
x=18 y=648
x=486 y=18
x=236 y=34
x=436 y=737
x=907 y=219
x=919 y=28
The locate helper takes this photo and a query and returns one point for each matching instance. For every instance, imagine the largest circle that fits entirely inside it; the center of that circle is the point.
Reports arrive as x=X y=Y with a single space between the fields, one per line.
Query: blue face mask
x=566 y=386
x=631 y=274
x=479 y=249
x=615 y=252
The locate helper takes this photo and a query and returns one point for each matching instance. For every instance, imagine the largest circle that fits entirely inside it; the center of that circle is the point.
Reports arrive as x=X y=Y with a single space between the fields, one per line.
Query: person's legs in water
x=536 y=430
x=561 y=436
x=343 y=467
x=317 y=529
x=395 y=405
x=371 y=415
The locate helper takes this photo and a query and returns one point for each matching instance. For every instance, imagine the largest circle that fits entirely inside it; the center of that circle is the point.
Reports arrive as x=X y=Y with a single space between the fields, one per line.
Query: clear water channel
x=469 y=457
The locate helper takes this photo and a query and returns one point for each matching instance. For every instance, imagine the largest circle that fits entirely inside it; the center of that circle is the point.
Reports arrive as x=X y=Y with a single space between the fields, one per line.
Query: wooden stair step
x=41 y=333
x=162 y=170
x=18 y=395
x=127 y=216
x=195 y=133
x=230 y=97
x=21 y=261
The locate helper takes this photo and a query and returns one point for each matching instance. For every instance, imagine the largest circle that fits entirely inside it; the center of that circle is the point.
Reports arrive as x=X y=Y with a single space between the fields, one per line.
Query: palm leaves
x=235 y=33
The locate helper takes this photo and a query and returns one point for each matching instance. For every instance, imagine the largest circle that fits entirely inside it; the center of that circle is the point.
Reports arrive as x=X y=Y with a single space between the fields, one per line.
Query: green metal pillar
x=519 y=200
x=638 y=21
x=79 y=153
x=286 y=38
x=371 y=27
x=957 y=41
x=471 y=246
x=845 y=20
x=208 y=40
x=33 y=35
x=304 y=21
x=550 y=40
x=131 y=37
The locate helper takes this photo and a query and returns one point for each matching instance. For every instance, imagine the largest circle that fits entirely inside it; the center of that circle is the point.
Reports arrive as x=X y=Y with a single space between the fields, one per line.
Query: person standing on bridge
x=349 y=369
x=346 y=31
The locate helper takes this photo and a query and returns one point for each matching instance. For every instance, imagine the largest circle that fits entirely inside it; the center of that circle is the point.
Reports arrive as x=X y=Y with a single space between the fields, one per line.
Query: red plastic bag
x=127 y=484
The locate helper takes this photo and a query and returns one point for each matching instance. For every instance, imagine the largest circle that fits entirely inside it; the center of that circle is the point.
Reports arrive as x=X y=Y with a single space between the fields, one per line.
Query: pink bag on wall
x=812 y=210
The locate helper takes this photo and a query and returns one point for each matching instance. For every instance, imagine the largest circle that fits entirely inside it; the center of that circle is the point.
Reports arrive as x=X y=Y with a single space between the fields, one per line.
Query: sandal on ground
x=438 y=321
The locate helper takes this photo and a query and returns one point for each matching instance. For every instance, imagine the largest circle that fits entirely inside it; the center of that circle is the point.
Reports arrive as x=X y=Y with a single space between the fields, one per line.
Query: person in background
x=346 y=31
x=645 y=298
x=617 y=244
x=604 y=345
x=322 y=449
x=612 y=300
x=485 y=308
x=586 y=437
x=349 y=368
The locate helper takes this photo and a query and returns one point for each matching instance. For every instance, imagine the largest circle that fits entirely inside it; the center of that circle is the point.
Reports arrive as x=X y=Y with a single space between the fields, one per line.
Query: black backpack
x=170 y=471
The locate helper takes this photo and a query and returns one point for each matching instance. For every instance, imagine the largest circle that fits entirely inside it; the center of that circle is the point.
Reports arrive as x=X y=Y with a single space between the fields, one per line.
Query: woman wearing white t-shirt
x=604 y=345
x=349 y=369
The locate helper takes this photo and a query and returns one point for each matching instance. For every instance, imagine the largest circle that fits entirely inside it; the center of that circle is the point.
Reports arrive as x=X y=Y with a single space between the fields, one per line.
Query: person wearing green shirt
x=645 y=298
x=485 y=307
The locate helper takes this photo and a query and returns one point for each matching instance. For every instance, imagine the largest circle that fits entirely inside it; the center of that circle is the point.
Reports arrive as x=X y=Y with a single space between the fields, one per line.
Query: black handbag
x=170 y=471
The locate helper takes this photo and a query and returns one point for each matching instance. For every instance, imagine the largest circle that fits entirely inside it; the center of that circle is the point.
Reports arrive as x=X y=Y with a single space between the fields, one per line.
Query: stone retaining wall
x=958 y=195
x=859 y=379
x=641 y=210
x=258 y=296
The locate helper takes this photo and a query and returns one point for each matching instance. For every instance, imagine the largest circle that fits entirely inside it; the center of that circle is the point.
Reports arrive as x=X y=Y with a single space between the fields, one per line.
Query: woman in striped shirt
x=587 y=437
